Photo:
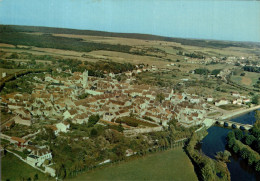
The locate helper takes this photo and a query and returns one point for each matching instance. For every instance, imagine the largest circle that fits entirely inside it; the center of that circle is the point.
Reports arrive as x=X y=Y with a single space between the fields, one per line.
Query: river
x=216 y=140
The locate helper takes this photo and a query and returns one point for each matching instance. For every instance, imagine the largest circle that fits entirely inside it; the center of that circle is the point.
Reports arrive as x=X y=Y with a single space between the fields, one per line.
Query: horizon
x=229 y=21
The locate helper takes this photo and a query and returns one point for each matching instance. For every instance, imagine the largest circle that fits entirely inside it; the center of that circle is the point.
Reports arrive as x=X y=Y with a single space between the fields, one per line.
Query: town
x=88 y=103
x=74 y=98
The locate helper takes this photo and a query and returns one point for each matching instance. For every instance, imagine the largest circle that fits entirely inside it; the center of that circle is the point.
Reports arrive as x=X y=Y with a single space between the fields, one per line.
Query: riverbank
x=239 y=112
x=215 y=142
x=171 y=164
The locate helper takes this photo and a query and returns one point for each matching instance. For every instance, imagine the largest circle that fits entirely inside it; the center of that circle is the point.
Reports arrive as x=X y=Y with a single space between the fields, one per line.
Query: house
x=129 y=74
x=63 y=127
x=69 y=114
x=24 y=121
x=38 y=156
x=53 y=128
x=2 y=151
x=81 y=118
x=194 y=100
x=18 y=141
x=235 y=94
x=129 y=152
x=239 y=101
x=222 y=102
x=210 y=99
x=9 y=125
x=246 y=101
x=3 y=74
x=111 y=74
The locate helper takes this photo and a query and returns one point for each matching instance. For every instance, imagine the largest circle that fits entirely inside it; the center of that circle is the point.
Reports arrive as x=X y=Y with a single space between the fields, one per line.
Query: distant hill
x=192 y=42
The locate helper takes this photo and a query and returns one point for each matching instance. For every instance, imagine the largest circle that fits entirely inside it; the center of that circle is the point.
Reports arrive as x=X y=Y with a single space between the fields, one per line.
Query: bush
x=215 y=72
x=201 y=71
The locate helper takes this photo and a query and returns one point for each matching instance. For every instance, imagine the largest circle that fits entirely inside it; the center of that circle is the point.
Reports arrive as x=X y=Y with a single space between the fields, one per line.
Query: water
x=215 y=141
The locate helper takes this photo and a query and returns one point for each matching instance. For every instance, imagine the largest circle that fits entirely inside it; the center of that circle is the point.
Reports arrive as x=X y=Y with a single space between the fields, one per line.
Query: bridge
x=232 y=124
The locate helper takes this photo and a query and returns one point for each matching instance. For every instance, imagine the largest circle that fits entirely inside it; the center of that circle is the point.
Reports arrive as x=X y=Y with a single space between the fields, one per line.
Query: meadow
x=169 y=165
x=14 y=169
x=248 y=80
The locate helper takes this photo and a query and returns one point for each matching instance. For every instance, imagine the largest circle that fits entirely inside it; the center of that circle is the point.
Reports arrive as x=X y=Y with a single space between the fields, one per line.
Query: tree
x=239 y=134
x=207 y=172
x=223 y=156
x=255 y=100
x=231 y=142
x=215 y=72
x=257 y=166
x=244 y=153
x=93 y=132
x=36 y=177
x=201 y=71
x=49 y=134
x=230 y=135
x=119 y=150
x=235 y=148
x=160 y=97
x=92 y=120
x=251 y=159
x=249 y=139
x=257 y=145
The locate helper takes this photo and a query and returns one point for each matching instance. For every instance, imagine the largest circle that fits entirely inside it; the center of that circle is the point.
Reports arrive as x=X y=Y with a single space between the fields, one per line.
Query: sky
x=205 y=19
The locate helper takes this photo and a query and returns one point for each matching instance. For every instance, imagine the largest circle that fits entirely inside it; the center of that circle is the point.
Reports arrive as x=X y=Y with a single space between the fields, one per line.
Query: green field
x=9 y=71
x=248 y=80
x=14 y=169
x=168 y=165
x=229 y=107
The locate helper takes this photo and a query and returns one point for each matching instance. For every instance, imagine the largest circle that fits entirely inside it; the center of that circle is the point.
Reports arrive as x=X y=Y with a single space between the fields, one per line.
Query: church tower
x=85 y=79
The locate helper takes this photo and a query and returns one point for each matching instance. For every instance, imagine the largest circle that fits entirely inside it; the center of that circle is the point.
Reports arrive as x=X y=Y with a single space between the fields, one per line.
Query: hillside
x=191 y=42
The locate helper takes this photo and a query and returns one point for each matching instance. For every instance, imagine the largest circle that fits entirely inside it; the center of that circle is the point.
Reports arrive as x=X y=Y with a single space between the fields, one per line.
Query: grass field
x=14 y=169
x=213 y=114
x=248 y=80
x=169 y=165
x=9 y=71
x=229 y=107
x=5 y=117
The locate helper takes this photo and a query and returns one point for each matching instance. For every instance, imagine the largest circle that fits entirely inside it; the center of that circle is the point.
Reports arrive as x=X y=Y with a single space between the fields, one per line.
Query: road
x=228 y=114
x=234 y=113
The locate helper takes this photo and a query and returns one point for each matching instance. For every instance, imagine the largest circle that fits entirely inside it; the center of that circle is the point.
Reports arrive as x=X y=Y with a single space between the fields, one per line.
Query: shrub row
x=246 y=153
x=207 y=169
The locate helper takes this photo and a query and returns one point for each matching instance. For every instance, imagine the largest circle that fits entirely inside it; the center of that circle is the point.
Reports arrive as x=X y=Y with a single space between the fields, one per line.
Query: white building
x=38 y=156
x=221 y=102
x=209 y=99
x=85 y=79
x=63 y=127
x=3 y=74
